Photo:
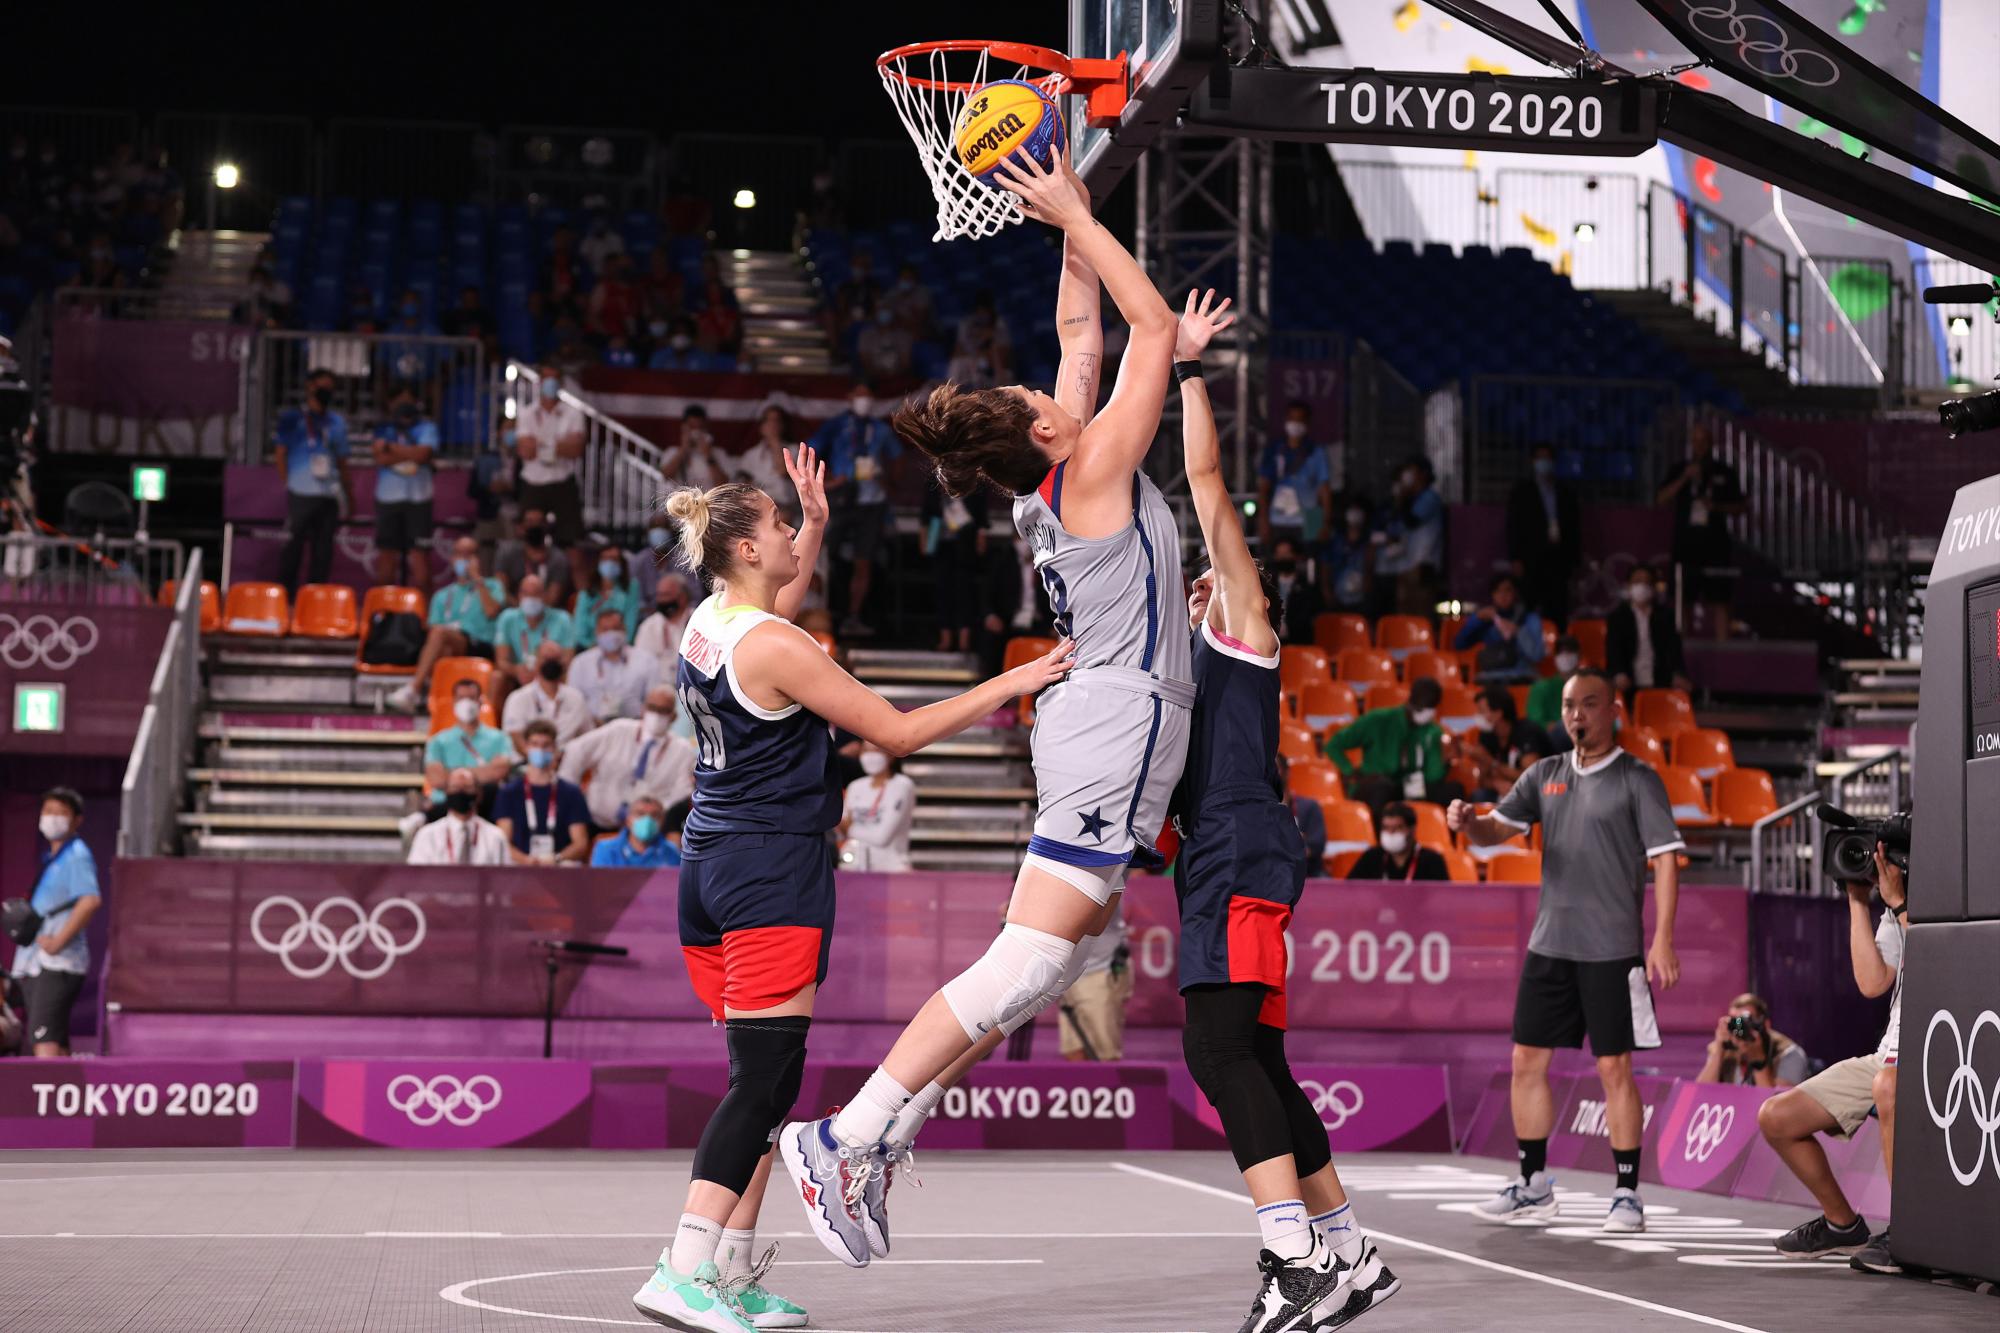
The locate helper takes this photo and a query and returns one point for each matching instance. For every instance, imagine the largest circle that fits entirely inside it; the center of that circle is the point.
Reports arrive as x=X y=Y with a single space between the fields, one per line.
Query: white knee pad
x=1096 y=883
x=1018 y=968
x=1079 y=956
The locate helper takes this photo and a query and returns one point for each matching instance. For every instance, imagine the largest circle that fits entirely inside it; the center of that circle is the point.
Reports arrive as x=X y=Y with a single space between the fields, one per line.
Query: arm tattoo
x=1078 y=319
x=1086 y=373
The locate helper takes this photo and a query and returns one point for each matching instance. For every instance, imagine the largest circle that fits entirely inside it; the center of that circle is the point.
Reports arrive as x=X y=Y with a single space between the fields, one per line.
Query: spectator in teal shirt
x=487 y=751
x=518 y=636
x=50 y=969
x=464 y=613
x=403 y=448
x=310 y=448
x=608 y=583
x=642 y=842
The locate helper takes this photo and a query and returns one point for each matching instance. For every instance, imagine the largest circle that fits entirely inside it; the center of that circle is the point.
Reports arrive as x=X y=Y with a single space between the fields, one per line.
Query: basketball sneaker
x=698 y=1303
x=1626 y=1214
x=831 y=1179
x=1371 y=1284
x=875 y=1197
x=1810 y=1240
x=1875 y=1256
x=761 y=1306
x=1292 y=1288
x=1534 y=1198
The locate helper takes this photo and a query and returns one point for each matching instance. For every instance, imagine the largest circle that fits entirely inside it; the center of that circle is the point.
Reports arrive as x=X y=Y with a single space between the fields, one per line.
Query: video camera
x=1847 y=853
x=1968 y=416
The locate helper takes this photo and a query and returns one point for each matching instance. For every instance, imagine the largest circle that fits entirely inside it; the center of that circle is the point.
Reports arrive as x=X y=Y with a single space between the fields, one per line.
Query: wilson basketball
x=1003 y=118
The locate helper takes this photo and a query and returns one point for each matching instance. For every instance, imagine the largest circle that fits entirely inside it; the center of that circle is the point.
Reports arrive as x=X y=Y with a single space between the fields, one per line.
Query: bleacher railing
x=449 y=375
x=624 y=474
x=1784 y=845
x=88 y=568
x=149 y=796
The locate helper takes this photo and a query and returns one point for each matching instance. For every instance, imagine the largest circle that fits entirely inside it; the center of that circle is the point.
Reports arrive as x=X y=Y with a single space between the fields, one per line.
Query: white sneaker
x=1627 y=1213
x=831 y=1179
x=402 y=697
x=1370 y=1284
x=410 y=823
x=695 y=1303
x=1533 y=1199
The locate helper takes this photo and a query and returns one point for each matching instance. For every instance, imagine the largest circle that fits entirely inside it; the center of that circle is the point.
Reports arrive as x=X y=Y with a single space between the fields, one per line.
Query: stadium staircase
x=1698 y=342
x=781 y=326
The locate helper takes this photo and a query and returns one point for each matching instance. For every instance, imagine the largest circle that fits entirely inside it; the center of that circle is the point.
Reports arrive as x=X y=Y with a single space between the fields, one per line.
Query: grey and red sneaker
x=831 y=1179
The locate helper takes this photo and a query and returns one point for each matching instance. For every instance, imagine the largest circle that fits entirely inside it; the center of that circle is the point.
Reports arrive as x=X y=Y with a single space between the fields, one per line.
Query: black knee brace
x=1220 y=1044
x=767 y=1060
x=1310 y=1150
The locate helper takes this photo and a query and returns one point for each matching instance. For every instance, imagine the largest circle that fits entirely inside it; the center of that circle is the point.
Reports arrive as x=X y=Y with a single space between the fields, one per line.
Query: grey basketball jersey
x=1120 y=597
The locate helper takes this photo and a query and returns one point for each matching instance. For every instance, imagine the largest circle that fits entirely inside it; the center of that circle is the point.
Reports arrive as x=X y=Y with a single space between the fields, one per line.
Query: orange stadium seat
x=326 y=611
x=446 y=675
x=1367 y=670
x=1300 y=665
x=379 y=600
x=1295 y=741
x=825 y=641
x=1515 y=868
x=1432 y=831
x=1337 y=631
x=1462 y=868
x=1315 y=780
x=1448 y=627
x=1340 y=866
x=1684 y=793
x=1389 y=694
x=257 y=608
x=1327 y=704
x=1444 y=668
x=1667 y=712
x=1458 y=711
x=1401 y=635
x=1643 y=742
x=1349 y=826
x=1705 y=750
x=1589 y=636
x=211 y=602
x=1743 y=796
x=1519 y=694
x=1021 y=650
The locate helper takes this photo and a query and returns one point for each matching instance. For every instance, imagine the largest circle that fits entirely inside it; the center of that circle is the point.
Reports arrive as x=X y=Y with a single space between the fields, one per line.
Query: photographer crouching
x=1748 y=1051
x=1837 y=1100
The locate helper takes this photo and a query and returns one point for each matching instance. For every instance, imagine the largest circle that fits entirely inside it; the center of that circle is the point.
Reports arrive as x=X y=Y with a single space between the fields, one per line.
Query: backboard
x=1170 y=45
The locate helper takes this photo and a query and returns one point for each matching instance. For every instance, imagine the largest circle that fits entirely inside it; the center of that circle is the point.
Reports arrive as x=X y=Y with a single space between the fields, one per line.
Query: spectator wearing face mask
x=485 y=752
x=1396 y=854
x=461 y=837
x=885 y=347
x=605 y=585
x=1545 y=696
x=677 y=350
x=983 y=353
x=403 y=448
x=1294 y=483
x=519 y=635
x=549 y=439
x=1544 y=535
x=1402 y=751
x=545 y=695
x=697 y=460
x=1298 y=601
x=1506 y=633
x=1348 y=559
x=877 y=812
x=1642 y=646
x=642 y=844
x=1507 y=745
x=310 y=453
x=51 y=968
x=660 y=633
x=545 y=817
x=858 y=447
x=531 y=552
x=613 y=676
x=632 y=757
x=463 y=620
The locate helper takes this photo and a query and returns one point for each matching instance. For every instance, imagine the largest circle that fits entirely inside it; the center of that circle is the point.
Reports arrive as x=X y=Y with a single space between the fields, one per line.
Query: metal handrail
x=1778 y=835
x=1895 y=768
x=1787 y=839
x=156 y=771
x=624 y=474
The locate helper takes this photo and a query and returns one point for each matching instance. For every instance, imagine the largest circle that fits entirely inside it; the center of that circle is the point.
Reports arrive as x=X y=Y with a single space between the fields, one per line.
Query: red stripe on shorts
x=705 y=971
x=1257 y=940
x=766 y=965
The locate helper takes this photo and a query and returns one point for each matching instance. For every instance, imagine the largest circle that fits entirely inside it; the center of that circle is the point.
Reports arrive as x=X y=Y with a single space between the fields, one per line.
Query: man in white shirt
x=660 y=633
x=613 y=676
x=549 y=438
x=632 y=757
x=461 y=838
x=548 y=697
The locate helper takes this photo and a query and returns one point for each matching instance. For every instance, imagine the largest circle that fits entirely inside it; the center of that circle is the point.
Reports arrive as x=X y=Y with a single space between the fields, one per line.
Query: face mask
x=531 y=607
x=658 y=328
x=549 y=390
x=320 y=398
x=1395 y=842
x=1423 y=717
x=1295 y=430
x=540 y=757
x=1641 y=594
x=609 y=570
x=645 y=828
x=535 y=536
x=862 y=406
x=461 y=566
x=873 y=762
x=658 y=537
x=611 y=642
x=466 y=711
x=1566 y=663
x=655 y=724
x=54 y=827
x=1545 y=467
x=680 y=342
x=1356 y=517
x=461 y=802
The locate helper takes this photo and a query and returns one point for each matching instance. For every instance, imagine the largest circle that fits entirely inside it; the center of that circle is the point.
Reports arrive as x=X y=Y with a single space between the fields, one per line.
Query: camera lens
x=1854 y=858
x=1965 y=416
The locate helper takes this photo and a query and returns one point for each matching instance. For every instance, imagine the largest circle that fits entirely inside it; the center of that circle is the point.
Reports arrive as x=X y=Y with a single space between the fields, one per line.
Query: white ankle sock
x=695 y=1243
x=912 y=1117
x=1288 y=1233
x=735 y=1257
x=864 y=1120
x=1341 y=1232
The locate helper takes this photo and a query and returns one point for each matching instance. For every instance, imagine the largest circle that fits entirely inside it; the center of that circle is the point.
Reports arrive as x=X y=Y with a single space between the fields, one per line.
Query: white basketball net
x=965 y=206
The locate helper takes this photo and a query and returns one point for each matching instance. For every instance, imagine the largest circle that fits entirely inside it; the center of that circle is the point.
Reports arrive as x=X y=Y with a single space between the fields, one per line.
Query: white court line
x=607 y=1235
x=1472 y=1259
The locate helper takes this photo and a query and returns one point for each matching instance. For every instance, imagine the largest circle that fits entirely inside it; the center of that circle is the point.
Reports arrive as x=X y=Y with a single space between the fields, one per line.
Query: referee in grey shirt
x=1604 y=815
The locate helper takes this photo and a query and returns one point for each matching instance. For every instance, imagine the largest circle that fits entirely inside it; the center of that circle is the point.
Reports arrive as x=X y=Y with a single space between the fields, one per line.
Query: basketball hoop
x=929 y=83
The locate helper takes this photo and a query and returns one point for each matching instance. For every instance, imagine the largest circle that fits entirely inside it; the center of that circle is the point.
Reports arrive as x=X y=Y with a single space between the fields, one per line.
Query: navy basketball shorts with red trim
x=1240 y=873
x=756 y=918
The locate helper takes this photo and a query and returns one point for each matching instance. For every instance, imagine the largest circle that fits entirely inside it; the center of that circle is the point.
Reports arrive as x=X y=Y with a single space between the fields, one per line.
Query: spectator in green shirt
x=1402 y=751
x=463 y=614
x=487 y=751
x=1545 y=696
x=608 y=584
x=518 y=636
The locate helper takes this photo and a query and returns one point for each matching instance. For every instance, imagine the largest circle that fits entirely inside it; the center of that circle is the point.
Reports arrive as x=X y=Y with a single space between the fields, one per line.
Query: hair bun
x=688 y=508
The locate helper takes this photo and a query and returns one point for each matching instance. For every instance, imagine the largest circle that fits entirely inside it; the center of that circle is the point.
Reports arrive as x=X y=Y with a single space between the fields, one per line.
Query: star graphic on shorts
x=1094 y=823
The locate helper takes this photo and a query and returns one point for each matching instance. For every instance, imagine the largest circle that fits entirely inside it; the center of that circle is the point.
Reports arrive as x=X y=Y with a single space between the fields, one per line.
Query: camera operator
x=1748 y=1051
x=1837 y=1099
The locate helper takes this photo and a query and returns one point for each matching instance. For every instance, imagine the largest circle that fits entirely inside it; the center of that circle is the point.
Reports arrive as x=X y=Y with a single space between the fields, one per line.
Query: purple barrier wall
x=236 y=937
x=148 y=387
x=1799 y=962
x=102 y=656
x=145 y=1104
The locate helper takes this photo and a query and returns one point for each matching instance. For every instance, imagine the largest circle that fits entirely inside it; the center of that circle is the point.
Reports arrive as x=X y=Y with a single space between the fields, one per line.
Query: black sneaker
x=1810 y=1240
x=1874 y=1257
x=1372 y=1283
x=1292 y=1288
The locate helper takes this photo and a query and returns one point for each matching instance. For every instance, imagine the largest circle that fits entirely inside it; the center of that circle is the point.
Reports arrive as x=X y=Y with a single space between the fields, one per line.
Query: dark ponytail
x=974 y=435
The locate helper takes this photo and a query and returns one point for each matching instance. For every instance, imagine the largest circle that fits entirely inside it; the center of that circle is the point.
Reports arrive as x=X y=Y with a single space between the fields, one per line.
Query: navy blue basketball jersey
x=756 y=771
x=1233 y=741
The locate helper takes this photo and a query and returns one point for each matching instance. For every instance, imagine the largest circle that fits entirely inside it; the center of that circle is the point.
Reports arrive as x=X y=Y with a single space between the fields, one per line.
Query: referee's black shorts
x=1561 y=1000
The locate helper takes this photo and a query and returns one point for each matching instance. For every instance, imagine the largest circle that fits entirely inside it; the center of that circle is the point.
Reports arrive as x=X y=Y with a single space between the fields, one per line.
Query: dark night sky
x=746 y=65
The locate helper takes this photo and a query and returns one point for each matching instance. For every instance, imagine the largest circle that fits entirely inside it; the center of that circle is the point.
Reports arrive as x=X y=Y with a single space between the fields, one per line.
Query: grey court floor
x=555 y=1243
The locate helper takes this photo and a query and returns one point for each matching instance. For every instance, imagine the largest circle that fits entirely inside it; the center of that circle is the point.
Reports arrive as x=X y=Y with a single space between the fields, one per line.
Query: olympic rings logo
x=1708 y=1128
x=39 y=640
x=311 y=932
x=1776 y=59
x=1964 y=1091
x=1335 y=1102
x=444 y=1098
